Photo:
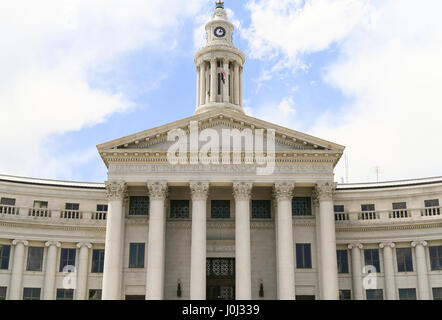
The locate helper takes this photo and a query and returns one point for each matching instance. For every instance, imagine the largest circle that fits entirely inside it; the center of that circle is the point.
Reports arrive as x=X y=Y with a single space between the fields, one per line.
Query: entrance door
x=220 y=279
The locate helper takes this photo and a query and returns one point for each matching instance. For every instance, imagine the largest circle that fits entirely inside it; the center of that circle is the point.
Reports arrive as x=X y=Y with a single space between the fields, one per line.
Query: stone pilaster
x=390 y=284
x=422 y=270
x=82 y=273
x=15 y=291
x=51 y=270
x=356 y=270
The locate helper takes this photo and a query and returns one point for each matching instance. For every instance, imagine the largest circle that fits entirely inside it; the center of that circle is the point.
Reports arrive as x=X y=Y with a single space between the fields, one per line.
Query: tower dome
x=219 y=66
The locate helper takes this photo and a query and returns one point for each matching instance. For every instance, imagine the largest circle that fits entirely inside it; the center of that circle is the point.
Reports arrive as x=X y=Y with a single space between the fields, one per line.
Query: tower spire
x=220 y=4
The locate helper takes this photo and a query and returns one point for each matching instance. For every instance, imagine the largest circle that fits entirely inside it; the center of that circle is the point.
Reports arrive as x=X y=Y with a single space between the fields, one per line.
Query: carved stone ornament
x=199 y=190
x=53 y=243
x=284 y=190
x=115 y=190
x=419 y=243
x=325 y=190
x=157 y=190
x=242 y=190
x=355 y=245
x=17 y=241
x=387 y=244
x=84 y=244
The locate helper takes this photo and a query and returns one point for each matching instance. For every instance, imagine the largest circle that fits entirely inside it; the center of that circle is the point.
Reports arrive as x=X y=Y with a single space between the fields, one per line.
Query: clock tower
x=219 y=66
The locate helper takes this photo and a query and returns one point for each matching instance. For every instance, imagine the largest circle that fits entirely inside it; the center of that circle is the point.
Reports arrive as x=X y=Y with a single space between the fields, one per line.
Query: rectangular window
x=179 y=209
x=374 y=294
x=35 y=259
x=261 y=209
x=7 y=201
x=407 y=294
x=338 y=209
x=367 y=207
x=371 y=257
x=4 y=256
x=101 y=207
x=404 y=260
x=40 y=204
x=72 y=206
x=97 y=261
x=219 y=83
x=344 y=294
x=342 y=256
x=139 y=206
x=65 y=294
x=432 y=203
x=220 y=209
x=229 y=85
x=67 y=260
x=136 y=255
x=303 y=256
x=436 y=257
x=95 y=294
x=437 y=293
x=301 y=206
x=31 y=293
x=399 y=206
x=3 y=293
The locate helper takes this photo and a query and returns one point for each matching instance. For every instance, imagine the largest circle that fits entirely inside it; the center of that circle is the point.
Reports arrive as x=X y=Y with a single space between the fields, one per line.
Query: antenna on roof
x=378 y=171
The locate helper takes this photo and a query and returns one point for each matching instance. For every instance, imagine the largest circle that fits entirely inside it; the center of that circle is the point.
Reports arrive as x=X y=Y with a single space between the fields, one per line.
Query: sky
x=366 y=74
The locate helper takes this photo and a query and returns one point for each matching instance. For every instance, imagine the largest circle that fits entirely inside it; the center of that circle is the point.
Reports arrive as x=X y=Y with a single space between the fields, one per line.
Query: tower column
x=113 y=252
x=51 y=269
x=242 y=192
x=202 y=83
x=356 y=270
x=236 y=84
x=390 y=285
x=226 y=84
x=82 y=275
x=422 y=270
x=213 y=80
x=240 y=86
x=156 y=241
x=15 y=292
x=199 y=191
x=285 y=255
x=197 y=86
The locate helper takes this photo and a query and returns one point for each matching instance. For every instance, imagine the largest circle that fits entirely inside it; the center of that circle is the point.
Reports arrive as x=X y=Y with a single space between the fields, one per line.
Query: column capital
x=115 y=190
x=199 y=190
x=242 y=190
x=419 y=243
x=84 y=244
x=315 y=198
x=325 y=190
x=17 y=241
x=157 y=190
x=355 y=245
x=53 y=243
x=387 y=244
x=283 y=190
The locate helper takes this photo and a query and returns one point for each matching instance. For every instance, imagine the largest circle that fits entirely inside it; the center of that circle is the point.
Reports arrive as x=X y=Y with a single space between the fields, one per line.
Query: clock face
x=220 y=32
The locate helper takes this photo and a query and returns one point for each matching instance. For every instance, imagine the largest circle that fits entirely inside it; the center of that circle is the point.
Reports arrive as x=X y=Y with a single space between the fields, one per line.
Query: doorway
x=220 y=281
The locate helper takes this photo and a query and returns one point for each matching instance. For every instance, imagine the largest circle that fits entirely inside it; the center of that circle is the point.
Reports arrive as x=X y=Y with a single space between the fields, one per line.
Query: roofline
x=389 y=184
x=52 y=183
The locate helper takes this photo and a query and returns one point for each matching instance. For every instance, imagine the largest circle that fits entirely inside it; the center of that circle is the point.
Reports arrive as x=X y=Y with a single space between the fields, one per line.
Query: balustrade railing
x=9 y=210
x=432 y=211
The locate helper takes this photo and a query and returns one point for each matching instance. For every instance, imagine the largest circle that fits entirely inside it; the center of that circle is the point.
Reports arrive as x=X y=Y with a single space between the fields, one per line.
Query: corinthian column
x=422 y=271
x=17 y=269
x=82 y=274
x=116 y=190
x=286 y=262
x=329 y=265
x=156 y=241
x=242 y=192
x=390 y=285
x=356 y=270
x=199 y=191
x=51 y=269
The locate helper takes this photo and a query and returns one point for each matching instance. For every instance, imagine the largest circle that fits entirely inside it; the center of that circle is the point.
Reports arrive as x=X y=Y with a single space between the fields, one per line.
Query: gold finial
x=220 y=4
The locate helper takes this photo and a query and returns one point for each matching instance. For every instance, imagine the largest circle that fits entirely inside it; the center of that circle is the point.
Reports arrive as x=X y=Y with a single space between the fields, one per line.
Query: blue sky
x=365 y=74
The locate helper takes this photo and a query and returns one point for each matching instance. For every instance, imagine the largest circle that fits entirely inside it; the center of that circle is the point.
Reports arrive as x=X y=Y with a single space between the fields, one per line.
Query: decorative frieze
x=199 y=190
x=325 y=190
x=242 y=191
x=283 y=191
x=157 y=190
x=115 y=190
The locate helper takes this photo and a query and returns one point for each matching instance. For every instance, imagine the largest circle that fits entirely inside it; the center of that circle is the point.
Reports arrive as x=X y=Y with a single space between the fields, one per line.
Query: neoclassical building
x=179 y=220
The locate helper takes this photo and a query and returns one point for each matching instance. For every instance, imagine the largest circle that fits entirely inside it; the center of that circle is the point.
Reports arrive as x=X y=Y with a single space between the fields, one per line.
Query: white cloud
x=47 y=50
x=389 y=67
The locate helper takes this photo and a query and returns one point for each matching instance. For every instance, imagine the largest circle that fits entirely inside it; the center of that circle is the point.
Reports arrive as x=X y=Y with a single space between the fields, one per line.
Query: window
x=305 y=297
x=220 y=209
x=72 y=206
x=40 y=204
x=432 y=203
x=374 y=294
x=338 y=209
x=101 y=207
x=139 y=206
x=437 y=293
x=97 y=261
x=35 y=259
x=371 y=257
x=4 y=256
x=344 y=294
x=399 y=206
x=261 y=209
x=3 y=293
x=136 y=255
x=436 y=257
x=65 y=294
x=7 y=201
x=407 y=294
x=404 y=260
x=301 y=206
x=67 y=260
x=31 y=293
x=342 y=261
x=219 y=83
x=367 y=207
x=303 y=256
x=95 y=294
x=179 y=209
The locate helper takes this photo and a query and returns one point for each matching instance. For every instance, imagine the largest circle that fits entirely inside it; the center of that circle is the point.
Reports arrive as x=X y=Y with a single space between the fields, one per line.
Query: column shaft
x=197 y=87
x=82 y=274
x=15 y=292
x=236 y=86
x=203 y=83
x=51 y=270
x=390 y=285
x=422 y=272
x=356 y=269
x=226 y=84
